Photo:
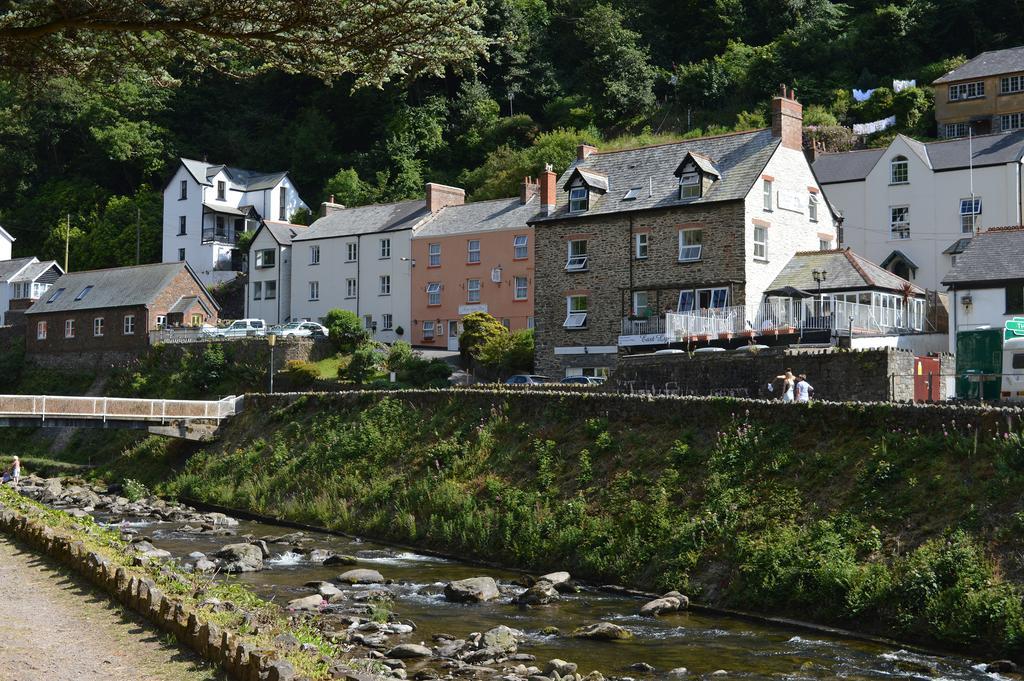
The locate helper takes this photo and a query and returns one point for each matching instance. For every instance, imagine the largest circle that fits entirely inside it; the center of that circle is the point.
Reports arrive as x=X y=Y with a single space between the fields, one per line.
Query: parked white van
x=1013 y=370
x=243 y=327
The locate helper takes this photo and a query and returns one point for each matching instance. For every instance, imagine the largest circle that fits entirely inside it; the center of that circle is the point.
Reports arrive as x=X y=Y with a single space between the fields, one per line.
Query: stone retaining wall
x=241 y=661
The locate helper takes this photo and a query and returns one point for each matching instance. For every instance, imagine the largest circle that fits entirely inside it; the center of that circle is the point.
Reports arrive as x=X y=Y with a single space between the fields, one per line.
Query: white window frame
x=385 y=285
x=368 y=322
x=473 y=290
x=385 y=249
x=351 y=251
x=351 y=288
x=428 y=330
x=473 y=251
x=954 y=130
x=767 y=198
x=691 y=252
x=1009 y=85
x=97 y=327
x=642 y=245
x=694 y=297
x=969 y=218
x=314 y=254
x=433 y=294
x=222 y=190
x=959 y=92
x=182 y=190
x=576 y=318
x=41 y=330
x=128 y=325
x=899 y=170
x=760 y=244
x=824 y=245
x=690 y=186
x=257 y=290
x=314 y=290
x=69 y=328
x=812 y=207
x=899 y=229
x=639 y=309
x=261 y=258
x=1011 y=121
x=282 y=205
x=434 y=255
x=520 y=247
x=579 y=199
x=386 y=322
x=577 y=261
x=520 y=284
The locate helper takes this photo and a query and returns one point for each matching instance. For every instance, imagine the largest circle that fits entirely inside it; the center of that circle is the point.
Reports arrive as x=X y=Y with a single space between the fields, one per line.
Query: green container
x=979 y=352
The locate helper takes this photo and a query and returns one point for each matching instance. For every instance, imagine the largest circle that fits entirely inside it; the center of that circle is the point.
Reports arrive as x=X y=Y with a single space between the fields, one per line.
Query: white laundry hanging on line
x=901 y=85
x=873 y=126
x=863 y=95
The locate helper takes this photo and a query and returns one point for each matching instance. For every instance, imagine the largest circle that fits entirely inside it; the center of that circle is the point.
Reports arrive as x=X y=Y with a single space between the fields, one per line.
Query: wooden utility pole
x=67 y=242
x=138 y=234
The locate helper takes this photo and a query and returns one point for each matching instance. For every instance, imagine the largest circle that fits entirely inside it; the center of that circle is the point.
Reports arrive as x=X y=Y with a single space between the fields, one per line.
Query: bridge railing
x=117 y=408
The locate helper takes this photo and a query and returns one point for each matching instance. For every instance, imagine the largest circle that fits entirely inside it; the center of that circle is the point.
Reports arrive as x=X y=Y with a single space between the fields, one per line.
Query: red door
x=927 y=379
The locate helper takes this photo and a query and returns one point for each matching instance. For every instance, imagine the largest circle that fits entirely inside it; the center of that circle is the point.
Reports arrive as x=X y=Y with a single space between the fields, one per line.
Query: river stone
x=663 y=605
x=204 y=565
x=602 y=631
x=540 y=593
x=306 y=603
x=560 y=667
x=327 y=590
x=554 y=578
x=501 y=638
x=361 y=576
x=472 y=590
x=340 y=559
x=642 y=667
x=1001 y=667
x=678 y=671
x=240 y=558
x=264 y=549
x=407 y=650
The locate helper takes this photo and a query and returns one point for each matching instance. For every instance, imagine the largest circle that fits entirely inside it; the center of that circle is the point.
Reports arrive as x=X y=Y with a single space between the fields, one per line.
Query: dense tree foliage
x=555 y=73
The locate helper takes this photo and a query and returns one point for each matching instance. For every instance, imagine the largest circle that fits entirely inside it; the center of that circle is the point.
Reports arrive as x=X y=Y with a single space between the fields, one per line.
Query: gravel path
x=55 y=627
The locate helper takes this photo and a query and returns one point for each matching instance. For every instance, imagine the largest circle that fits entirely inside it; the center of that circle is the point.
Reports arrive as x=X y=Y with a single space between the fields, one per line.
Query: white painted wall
x=334 y=269
x=790 y=231
x=934 y=200
x=278 y=310
x=7 y=292
x=920 y=344
x=988 y=308
x=5 y=247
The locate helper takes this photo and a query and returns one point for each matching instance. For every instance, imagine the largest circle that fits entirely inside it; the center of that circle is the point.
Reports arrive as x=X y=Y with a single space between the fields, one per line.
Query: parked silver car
x=300 y=329
x=527 y=379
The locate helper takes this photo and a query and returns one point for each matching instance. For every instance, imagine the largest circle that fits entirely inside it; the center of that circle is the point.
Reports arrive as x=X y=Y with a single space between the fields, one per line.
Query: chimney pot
x=583 y=151
x=787 y=119
x=527 y=190
x=547 y=190
x=328 y=207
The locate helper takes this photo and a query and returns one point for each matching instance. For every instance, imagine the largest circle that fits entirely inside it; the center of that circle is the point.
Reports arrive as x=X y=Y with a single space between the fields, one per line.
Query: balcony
x=706 y=324
x=643 y=331
x=225 y=235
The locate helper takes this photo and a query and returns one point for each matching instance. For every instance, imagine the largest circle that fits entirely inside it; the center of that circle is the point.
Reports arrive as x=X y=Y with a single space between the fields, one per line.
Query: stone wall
x=137 y=591
x=840 y=375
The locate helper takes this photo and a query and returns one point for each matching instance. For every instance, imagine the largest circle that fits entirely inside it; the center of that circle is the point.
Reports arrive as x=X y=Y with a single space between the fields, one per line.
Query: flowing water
x=701 y=643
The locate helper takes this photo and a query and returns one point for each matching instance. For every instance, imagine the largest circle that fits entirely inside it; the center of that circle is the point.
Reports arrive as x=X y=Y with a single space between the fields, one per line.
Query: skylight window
x=55 y=296
x=84 y=293
x=632 y=194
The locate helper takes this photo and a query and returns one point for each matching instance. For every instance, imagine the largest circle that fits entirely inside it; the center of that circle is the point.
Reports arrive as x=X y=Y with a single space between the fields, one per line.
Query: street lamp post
x=271 y=339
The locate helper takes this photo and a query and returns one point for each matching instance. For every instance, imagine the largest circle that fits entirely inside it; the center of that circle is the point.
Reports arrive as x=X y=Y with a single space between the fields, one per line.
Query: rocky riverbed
x=397 y=614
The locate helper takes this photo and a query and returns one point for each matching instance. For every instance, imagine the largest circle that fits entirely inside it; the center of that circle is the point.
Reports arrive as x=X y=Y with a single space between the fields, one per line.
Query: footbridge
x=187 y=419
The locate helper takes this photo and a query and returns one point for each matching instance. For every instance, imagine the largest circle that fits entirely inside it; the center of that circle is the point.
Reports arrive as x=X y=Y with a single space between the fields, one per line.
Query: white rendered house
x=913 y=207
x=206 y=208
x=22 y=282
x=6 y=241
x=268 y=291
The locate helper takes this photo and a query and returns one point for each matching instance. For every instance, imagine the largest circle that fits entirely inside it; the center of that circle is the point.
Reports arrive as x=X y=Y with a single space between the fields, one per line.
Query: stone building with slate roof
x=984 y=95
x=987 y=283
x=477 y=257
x=109 y=313
x=701 y=227
x=908 y=207
x=208 y=206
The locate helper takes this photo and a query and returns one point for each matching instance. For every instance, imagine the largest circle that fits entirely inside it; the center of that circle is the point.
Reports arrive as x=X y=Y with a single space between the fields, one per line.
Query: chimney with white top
x=441 y=195
x=788 y=119
x=329 y=206
x=547 y=190
x=583 y=151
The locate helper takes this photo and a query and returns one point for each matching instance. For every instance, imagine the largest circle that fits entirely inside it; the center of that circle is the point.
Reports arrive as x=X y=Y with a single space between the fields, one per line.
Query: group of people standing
x=794 y=388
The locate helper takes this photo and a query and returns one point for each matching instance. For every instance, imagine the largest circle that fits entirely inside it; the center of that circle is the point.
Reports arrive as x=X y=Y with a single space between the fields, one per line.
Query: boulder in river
x=361 y=576
x=240 y=558
x=554 y=578
x=340 y=559
x=502 y=639
x=560 y=667
x=667 y=603
x=472 y=590
x=602 y=631
x=204 y=565
x=314 y=602
x=540 y=593
x=409 y=650
x=1001 y=667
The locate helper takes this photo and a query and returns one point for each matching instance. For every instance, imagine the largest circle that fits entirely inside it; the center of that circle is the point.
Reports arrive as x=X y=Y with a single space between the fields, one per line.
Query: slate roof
x=36 y=269
x=241 y=179
x=993 y=256
x=988 y=150
x=992 y=63
x=845 y=271
x=284 y=232
x=10 y=268
x=958 y=246
x=739 y=157
x=481 y=216
x=385 y=217
x=116 y=287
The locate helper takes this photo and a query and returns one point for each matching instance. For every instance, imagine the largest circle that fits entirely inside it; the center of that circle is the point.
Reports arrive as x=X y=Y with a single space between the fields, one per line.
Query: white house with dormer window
x=913 y=207
x=208 y=206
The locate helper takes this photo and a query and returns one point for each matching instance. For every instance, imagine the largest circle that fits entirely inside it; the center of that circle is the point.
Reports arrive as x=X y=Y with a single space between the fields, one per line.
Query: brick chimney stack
x=329 y=206
x=788 y=119
x=441 y=195
x=547 y=190
x=583 y=151
x=528 y=189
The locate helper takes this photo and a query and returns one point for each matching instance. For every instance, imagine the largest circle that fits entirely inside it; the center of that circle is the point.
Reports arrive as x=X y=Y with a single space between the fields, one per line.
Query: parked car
x=527 y=379
x=300 y=329
x=584 y=380
x=242 y=327
x=669 y=351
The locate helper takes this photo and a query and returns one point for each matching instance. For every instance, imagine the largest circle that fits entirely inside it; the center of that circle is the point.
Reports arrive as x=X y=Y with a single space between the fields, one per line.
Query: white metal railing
x=643 y=326
x=117 y=408
x=708 y=322
x=831 y=314
x=181 y=335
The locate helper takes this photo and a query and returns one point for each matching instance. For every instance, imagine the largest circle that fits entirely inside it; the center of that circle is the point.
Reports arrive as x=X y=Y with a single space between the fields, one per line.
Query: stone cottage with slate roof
x=909 y=206
x=701 y=226
x=987 y=283
x=984 y=95
x=208 y=206
x=107 y=314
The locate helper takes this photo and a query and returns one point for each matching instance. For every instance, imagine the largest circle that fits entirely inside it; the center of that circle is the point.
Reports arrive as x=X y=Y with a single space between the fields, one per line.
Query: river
x=701 y=643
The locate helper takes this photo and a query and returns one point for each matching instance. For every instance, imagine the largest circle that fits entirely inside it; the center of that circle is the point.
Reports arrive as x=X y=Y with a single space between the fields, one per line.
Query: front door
x=453 y=335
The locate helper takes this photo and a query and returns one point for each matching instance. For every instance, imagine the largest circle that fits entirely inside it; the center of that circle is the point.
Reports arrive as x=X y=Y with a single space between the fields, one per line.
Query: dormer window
x=579 y=199
x=689 y=186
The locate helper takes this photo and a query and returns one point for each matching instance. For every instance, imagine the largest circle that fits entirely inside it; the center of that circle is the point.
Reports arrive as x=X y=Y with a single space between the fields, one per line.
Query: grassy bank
x=911 y=532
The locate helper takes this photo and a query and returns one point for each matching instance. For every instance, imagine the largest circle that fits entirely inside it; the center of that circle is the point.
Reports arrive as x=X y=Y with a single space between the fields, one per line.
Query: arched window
x=899 y=172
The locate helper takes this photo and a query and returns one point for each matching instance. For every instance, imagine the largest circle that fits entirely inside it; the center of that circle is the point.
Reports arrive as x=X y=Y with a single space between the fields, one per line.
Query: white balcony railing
x=643 y=327
x=708 y=322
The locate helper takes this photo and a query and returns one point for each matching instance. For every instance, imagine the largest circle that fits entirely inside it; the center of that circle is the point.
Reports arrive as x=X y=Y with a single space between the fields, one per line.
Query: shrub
x=398 y=356
x=134 y=490
x=477 y=329
x=345 y=329
x=367 y=360
x=423 y=373
x=506 y=352
x=299 y=375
